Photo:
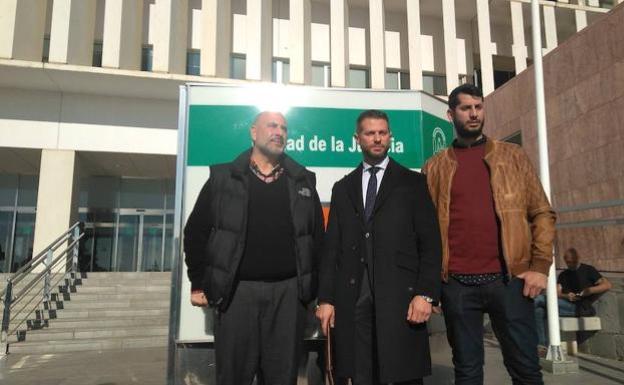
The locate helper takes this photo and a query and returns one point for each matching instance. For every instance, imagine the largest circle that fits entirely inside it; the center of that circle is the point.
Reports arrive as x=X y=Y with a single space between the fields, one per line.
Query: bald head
x=268 y=132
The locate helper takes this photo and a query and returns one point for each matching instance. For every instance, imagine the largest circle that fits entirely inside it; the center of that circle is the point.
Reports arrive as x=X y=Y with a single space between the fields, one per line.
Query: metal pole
x=554 y=349
x=46 y=284
x=75 y=237
x=6 y=319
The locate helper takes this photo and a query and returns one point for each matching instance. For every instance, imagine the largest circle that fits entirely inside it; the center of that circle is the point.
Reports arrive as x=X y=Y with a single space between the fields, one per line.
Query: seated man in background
x=578 y=287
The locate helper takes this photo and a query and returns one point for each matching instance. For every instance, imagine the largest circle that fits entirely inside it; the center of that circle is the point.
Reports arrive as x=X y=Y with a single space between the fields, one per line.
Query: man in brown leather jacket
x=497 y=229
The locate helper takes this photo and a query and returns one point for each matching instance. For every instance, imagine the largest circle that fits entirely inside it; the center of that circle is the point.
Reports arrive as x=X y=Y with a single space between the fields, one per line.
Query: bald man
x=250 y=245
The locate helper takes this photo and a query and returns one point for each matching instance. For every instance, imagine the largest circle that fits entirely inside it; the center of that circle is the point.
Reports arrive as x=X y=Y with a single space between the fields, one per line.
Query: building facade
x=88 y=93
x=584 y=90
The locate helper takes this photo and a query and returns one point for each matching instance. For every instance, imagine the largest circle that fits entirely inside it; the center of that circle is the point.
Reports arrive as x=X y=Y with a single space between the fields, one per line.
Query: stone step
x=95 y=313
x=116 y=322
x=57 y=334
x=117 y=289
x=127 y=282
x=106 y=297
x=60 y=346
x=128 y=274
x=140 y=303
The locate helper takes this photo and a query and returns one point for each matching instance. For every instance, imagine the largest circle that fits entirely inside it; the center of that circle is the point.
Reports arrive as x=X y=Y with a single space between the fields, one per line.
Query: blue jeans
x=566 y=309
x=513 y=322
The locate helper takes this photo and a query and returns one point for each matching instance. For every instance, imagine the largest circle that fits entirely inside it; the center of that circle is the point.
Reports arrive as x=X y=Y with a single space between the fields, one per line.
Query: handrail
x=50 y=262
x=47 y=270
x=38 y=259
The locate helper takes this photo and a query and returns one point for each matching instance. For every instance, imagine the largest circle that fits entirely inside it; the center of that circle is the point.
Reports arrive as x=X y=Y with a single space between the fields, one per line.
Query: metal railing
x=43 y=267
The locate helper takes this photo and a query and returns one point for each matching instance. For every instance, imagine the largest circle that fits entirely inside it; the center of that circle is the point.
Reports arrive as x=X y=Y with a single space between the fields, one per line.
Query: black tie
x=371 y=192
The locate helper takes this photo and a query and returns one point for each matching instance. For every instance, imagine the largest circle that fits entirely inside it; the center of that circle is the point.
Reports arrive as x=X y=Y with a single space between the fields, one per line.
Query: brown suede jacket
x=527 y=221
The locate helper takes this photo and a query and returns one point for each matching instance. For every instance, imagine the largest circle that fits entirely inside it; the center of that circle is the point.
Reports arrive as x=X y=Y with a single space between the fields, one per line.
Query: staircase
x=100 y=311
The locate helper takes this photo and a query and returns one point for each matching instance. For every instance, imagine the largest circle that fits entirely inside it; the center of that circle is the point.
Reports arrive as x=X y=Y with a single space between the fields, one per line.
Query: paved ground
x=148 y=366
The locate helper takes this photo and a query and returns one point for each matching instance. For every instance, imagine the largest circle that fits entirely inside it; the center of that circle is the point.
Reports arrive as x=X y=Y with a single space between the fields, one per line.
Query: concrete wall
x=584 y=85
x=609 y=342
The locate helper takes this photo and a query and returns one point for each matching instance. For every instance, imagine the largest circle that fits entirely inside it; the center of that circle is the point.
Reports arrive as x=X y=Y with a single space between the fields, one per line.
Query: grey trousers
x=260 y=333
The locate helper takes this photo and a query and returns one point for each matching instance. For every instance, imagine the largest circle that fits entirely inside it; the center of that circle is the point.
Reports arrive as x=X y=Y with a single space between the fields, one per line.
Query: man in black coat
x=251 y=247
x=380 y=265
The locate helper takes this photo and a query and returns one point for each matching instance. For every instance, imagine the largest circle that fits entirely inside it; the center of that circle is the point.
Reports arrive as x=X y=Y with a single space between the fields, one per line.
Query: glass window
x=515 y=138
x=192 y=62
x=170 y=194
x=141 y=194
x=434 y=84
x=97 y=54
x=6 y=237
x=237 y=67
x=46 y=49
x=28 y=185
x=23 y=240
x=502 y=77
x=146 y=57
x=405 y=80
x=358 y=78
x=280 y=72
x=392 y=80
x=99 y=192
x=320 y=75
x=8 y=188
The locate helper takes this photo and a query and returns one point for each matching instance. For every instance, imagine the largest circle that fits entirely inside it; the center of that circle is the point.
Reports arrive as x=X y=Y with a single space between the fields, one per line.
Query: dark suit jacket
x=406 y=262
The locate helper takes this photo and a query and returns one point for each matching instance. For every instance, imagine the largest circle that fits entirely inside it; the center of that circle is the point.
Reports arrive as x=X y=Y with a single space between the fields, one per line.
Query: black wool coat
x=406 y=262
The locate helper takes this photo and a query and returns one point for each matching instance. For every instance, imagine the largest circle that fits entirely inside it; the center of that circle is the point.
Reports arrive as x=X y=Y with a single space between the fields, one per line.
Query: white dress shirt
x=366 y=176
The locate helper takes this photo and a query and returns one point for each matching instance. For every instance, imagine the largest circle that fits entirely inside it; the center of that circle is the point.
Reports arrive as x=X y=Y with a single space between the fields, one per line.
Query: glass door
x=23 y=239
x=152 y=243
x=6 y=238
x=128 y=240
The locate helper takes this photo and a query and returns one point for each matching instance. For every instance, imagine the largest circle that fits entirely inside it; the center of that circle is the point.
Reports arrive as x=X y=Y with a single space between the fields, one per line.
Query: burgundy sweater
x=473 y=233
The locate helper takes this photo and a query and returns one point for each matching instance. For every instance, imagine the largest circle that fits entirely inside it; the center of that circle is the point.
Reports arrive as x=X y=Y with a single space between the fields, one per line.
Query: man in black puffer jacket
x=251 y=247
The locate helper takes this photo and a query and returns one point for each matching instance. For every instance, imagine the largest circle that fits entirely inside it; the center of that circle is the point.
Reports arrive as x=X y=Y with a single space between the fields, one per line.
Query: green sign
x=317 y=137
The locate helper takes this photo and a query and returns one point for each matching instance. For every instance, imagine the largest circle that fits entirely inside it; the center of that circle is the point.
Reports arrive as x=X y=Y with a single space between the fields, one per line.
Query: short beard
x=270 y=153
x=377 y=159
x=464 y=133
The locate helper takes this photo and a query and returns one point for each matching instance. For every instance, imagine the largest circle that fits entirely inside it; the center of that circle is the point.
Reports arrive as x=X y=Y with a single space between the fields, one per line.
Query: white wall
x=69 y=121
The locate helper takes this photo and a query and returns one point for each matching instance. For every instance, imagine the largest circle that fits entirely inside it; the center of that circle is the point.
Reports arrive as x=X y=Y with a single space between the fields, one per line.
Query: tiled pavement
x=148 y=367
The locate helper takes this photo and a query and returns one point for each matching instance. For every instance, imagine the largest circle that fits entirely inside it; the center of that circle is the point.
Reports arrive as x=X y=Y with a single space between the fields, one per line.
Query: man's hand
x=419 y=310
x=534 y=283
x=572 y=297
x=325 y=313
x=198 y=299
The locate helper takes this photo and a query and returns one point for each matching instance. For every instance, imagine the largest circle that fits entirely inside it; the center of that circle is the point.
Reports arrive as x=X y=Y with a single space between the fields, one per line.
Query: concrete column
x=300 y=45
x=339 y=54
x=413 y=43
x=450 y=44
x=170 y=36
x=550 y=27
x=22 y=26
x=485 y=47
x=121 y=44
x=518 y=48
x=216 y=40
x=580 y=16
x=57 y=197
x=259 y=61
x=377 y=27
x=71 y=34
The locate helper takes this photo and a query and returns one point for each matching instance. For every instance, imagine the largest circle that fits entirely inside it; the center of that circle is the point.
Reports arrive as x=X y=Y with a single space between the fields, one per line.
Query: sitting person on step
x=578 y=287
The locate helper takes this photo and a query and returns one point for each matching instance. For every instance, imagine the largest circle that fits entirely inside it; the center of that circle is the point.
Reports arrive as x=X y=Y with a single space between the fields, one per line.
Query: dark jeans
x=566 y=309
x=513 y=322
x=260 y=333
